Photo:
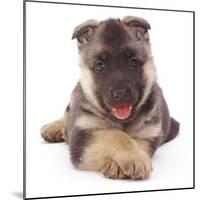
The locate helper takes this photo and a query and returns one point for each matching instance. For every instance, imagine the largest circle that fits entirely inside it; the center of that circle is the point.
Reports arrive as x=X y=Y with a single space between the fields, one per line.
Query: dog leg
x=173 y=131
x=54 y=131
x=115 y=154
x=149 y=145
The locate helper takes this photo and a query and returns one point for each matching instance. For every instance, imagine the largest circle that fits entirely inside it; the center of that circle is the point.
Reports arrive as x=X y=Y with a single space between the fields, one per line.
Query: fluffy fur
x=97 y=139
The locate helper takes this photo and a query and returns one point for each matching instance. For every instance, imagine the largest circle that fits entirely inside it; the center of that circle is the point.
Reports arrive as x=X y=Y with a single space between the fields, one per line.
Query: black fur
x=79 y=139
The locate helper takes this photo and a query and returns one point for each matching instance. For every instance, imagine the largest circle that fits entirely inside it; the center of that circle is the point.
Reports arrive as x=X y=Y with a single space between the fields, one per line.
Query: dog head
x=116 y=63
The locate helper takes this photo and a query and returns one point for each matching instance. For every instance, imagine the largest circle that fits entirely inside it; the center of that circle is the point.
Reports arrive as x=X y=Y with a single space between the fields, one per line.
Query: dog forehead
x=112 y=32
x=112 y=39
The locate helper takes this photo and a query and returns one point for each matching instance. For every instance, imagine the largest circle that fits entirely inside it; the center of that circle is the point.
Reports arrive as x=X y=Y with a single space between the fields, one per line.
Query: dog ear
x=85 y=31
x=139 y=25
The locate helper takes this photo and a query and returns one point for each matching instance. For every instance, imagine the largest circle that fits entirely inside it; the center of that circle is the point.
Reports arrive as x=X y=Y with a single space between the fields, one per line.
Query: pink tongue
x=122 y=111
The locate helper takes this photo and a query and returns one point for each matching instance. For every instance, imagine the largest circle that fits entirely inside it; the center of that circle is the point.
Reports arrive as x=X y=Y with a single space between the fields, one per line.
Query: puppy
x=117 y=116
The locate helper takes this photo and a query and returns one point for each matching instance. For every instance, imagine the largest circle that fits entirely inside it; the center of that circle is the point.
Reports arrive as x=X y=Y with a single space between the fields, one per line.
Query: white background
x=52 y=72
x=11 y=129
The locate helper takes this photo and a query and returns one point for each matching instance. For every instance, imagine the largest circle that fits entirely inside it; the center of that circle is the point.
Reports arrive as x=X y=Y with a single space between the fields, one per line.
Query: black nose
x=121 y=94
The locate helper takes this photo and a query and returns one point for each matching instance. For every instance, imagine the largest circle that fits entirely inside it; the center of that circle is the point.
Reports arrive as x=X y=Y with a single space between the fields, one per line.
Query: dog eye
x=99 y=66
x=133 y=62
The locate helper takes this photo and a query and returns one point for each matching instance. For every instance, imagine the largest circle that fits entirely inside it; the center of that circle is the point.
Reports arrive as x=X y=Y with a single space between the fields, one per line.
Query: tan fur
x=145 y=145
x=150 y=76
x=90 y=122
x=148 y=131
x=117 y=146
x=112 y=170
x=88 y=85
x=54 y=131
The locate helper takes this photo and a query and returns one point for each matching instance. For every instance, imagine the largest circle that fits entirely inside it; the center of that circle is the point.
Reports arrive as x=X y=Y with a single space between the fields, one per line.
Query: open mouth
x=122 y=111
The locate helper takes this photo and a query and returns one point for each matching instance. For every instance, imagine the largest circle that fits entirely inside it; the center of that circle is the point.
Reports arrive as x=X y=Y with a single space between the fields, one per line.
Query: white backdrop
x=11 y=104
x=52 y=72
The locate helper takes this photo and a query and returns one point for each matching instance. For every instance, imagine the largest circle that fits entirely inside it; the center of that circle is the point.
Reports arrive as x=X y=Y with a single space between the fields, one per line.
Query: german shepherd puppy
x=117 y=116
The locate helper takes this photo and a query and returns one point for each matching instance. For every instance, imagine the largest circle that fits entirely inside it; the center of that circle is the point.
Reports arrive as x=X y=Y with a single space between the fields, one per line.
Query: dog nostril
x=120 y=94
x=126 y=93
x=117 y=97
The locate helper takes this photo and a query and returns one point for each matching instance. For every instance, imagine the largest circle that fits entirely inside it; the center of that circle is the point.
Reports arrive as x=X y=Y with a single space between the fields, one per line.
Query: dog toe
x=52 y=133
x=112 y=170
x=137 y=167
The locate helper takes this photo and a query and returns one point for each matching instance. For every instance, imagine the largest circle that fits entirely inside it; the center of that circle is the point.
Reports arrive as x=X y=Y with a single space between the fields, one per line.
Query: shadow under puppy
x=117 y=116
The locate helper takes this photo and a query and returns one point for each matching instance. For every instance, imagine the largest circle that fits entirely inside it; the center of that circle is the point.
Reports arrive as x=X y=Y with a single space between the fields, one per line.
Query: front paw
x=128 y=166
x=112 y=170
x=53 y=132
x=136 y=166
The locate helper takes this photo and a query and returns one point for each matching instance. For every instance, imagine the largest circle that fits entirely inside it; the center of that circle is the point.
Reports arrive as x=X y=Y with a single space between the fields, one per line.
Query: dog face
x=116 y=64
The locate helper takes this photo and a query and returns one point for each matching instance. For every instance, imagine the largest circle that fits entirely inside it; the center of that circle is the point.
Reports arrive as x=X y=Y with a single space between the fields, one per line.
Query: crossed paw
x=136 y=167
